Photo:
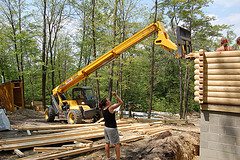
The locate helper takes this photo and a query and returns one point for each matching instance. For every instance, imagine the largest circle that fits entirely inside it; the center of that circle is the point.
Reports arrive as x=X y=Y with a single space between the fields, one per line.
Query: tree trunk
x=180 y=89
x=186 y=92
x=94 y=47
x=121 y=57
x=14 y=30
x=44 y=69
x=21 y=46
x=152 y=75
x=110 y=84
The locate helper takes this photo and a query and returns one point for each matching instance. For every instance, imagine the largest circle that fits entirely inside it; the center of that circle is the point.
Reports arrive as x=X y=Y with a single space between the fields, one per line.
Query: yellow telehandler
x=82 y=105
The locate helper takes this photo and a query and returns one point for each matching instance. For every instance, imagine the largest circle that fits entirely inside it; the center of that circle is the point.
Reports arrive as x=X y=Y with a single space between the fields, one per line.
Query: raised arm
x=116 y=105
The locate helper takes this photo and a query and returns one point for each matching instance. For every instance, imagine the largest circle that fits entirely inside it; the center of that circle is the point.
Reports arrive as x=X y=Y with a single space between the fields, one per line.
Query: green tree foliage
x=70 y=48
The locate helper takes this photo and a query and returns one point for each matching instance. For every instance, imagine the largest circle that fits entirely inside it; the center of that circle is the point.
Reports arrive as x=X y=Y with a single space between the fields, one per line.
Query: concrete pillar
x=220 y=136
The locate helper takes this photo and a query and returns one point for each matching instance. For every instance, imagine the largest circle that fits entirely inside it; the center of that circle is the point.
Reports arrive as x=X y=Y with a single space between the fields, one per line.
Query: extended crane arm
x=162 y=40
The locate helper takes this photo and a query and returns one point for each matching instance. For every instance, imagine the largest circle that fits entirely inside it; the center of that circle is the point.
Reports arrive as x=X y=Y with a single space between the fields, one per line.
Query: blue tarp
x=4 y=121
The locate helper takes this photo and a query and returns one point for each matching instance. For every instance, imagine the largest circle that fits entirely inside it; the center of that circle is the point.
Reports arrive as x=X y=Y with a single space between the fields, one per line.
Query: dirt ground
x=181 y=143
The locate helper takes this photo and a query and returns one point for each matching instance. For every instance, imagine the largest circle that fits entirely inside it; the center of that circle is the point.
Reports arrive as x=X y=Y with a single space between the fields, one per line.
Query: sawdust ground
x=180 y=145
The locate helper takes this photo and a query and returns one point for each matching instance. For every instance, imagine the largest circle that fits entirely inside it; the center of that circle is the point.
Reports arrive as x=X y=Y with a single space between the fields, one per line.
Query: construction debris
x=61 y=141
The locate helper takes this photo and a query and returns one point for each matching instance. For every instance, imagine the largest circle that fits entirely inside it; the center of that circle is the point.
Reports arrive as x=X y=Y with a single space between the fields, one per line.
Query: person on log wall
x=238 y=43
x=110 y=130
x=224 y=45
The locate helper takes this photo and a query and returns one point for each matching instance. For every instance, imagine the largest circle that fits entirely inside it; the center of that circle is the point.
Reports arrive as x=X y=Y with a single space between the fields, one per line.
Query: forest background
x=43 y=42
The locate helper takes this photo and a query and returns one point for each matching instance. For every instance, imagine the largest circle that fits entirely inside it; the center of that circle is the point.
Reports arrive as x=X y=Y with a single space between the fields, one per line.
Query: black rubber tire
x=74 y=117
x=50 y=114
x=96 y=117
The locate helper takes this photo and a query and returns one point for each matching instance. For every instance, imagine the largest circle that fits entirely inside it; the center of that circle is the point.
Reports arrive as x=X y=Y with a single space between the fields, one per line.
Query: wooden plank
x=79 y=151
x=78 y=145
x=19 y=153
x=34 y=143
x=74 y=132
x=50 y=131
x=67 y=126
x=221 y=108
x=43 y=154
x=50 y=127
x=48 y=136
x=26 y=142
x=48 y=149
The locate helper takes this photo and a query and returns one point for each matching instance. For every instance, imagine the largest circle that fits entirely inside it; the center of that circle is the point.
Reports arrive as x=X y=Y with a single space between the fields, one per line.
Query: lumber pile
x=217 y=77
x=74 y=139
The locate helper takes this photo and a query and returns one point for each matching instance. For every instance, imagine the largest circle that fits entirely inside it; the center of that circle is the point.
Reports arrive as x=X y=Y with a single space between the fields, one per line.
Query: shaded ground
x=182 y=143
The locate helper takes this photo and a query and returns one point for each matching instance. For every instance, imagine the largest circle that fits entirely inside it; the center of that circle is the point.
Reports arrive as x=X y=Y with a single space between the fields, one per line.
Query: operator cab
x=84 y=95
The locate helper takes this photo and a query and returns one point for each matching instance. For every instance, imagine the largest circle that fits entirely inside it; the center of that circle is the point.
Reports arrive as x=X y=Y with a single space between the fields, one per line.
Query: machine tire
x=96 y=117
x=49 y=114
x=74 y=117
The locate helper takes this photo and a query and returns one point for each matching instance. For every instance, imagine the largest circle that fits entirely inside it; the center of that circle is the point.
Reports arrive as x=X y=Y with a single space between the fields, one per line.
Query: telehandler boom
x=85 y=107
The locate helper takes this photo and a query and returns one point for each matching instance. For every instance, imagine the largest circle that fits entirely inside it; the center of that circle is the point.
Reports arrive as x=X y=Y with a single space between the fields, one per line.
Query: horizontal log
x=49 y=141
x=222 y=108
x=51 y=127
x=218 y=94
x=219 y=89
x=216 y=54
x=220 y=66
x=220 y=60
x=49 y=136
x=218 y=72
x=219 y=77
x=78 y=151
x=67 y=134
x=219 y=83
x=66 y=126
x=222 y=101
x=47 y=149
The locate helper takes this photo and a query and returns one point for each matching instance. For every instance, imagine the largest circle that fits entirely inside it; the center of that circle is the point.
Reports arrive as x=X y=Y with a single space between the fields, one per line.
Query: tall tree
x=44 y=53
x=94 y=46
x=110 y=83
x=54 y=19
x=152 y=75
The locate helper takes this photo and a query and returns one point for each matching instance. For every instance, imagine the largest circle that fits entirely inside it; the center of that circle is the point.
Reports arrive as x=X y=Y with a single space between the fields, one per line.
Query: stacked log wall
x=217 y=79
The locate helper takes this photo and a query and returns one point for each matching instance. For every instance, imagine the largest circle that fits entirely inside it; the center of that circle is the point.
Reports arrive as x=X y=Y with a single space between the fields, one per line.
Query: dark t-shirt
x=109 y=118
